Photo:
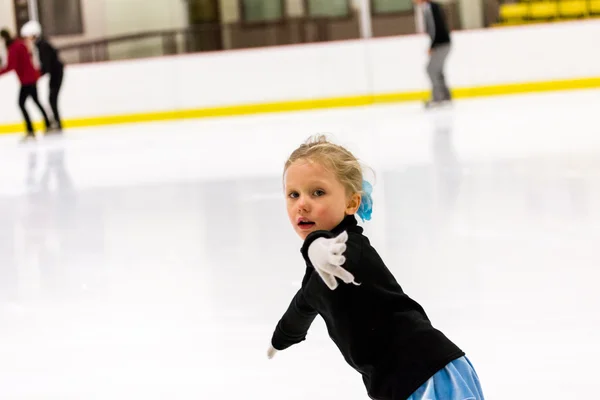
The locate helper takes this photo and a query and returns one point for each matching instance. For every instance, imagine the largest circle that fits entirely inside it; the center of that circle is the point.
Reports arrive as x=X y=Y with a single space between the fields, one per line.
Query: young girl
x=381 y=332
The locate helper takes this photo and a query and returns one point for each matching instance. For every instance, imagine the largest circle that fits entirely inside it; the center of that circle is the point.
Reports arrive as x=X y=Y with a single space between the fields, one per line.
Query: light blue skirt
x=456 y=381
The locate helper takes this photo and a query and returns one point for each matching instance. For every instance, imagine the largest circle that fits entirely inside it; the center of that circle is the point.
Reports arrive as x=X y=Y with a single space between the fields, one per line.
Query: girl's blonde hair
x=335 y=158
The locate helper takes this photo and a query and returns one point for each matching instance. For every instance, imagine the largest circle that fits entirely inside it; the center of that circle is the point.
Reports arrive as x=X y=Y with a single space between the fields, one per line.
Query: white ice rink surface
x=153 y=261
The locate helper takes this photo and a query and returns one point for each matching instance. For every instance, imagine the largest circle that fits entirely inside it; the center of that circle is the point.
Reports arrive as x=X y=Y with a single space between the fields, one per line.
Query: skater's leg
x=443 y=56
x=36 y=100
x=435 y=70
x=55 y=85
x=433 y=76
x=23 y=95
x=446 y=91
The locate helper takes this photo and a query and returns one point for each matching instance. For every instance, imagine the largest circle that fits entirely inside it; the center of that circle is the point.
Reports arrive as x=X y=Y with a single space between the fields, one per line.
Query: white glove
x=326 y=256
x=271 y=352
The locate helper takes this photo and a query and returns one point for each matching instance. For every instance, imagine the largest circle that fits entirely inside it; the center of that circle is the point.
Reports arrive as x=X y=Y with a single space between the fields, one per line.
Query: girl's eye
x=319 y=192
x=293 y=195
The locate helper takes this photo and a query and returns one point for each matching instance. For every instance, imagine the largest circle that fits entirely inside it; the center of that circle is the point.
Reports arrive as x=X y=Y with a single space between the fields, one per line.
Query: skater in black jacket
x=437 y=29
x=381 y=332
x=50 y=64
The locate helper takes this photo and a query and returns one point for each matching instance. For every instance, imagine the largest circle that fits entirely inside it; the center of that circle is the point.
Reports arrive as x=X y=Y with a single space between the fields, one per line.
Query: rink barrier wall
x=487 y=62
x=305 y=105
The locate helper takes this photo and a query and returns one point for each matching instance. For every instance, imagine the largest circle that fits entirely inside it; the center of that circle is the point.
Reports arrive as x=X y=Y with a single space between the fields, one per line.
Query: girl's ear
x=353 y=204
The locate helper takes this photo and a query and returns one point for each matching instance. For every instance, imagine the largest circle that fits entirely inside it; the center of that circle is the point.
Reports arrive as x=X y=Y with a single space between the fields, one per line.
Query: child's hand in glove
x=326 y=255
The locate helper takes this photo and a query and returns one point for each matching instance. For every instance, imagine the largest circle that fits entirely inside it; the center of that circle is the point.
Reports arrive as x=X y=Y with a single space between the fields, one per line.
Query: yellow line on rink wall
x=315 y=104
x=528 y=87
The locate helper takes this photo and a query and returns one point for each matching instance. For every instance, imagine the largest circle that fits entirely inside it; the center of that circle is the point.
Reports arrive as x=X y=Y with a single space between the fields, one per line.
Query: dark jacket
x=381 y=332
x=19 y=60
x=51 y=63
x=436 y=26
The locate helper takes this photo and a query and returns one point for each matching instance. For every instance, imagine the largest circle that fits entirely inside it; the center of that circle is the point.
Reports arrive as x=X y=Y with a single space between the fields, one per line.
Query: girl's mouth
x=305 y=224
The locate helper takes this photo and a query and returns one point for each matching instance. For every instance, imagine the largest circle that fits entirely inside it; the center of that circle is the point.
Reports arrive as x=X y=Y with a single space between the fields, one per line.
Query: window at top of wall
x=390 y=6
x=61 y=17
x=262 y=10
x=328 y=8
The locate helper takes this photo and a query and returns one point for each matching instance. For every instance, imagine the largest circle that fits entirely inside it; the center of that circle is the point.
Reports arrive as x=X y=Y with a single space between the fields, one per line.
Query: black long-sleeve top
x=381 y=332
x=49 y=59
x=436 y=25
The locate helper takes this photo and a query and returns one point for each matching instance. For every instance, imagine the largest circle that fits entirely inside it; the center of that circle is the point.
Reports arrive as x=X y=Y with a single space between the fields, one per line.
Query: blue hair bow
x=366 y=204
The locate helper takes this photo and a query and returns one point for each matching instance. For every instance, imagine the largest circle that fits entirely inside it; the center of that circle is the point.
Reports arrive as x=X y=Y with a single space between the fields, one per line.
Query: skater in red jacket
x=19 y=60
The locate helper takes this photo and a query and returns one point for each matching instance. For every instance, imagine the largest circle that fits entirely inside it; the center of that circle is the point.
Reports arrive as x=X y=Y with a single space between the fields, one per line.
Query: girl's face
x=316 y=199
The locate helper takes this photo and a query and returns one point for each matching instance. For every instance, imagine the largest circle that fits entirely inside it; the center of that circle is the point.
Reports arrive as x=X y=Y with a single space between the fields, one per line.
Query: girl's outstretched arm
x=293 y=326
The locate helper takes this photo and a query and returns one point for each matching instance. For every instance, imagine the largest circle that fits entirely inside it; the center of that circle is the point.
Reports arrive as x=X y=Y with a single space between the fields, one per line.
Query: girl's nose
x=303 y=203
